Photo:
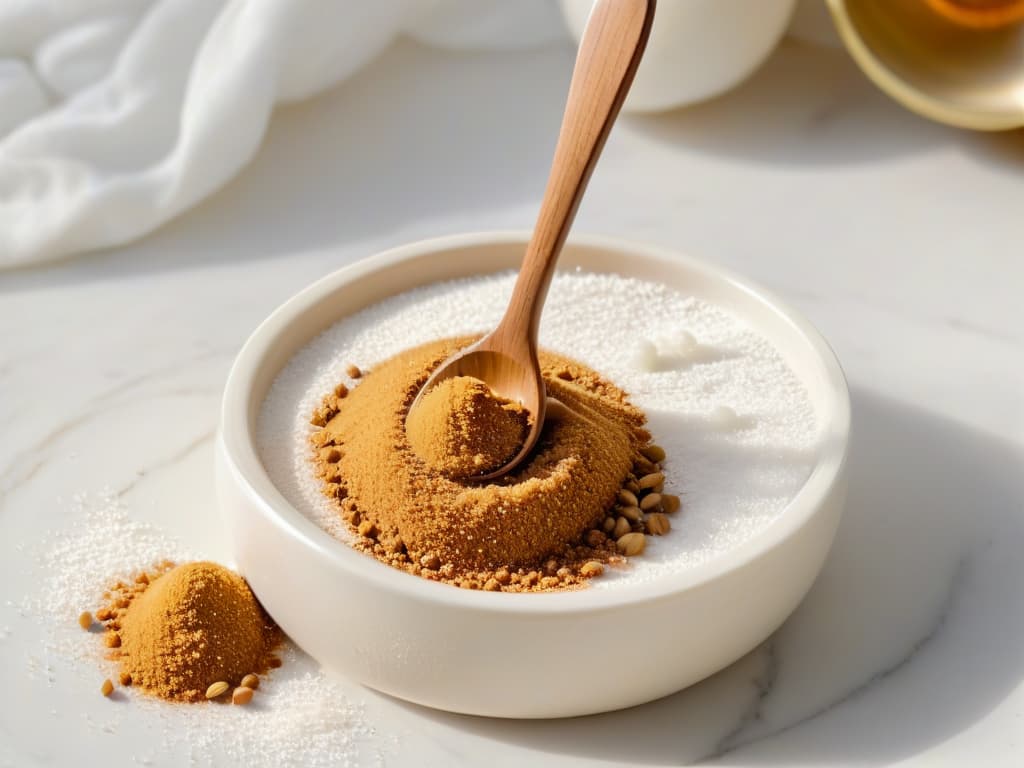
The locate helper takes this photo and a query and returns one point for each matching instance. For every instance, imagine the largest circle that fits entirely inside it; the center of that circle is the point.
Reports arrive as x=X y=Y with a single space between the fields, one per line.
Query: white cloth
x=116 y=115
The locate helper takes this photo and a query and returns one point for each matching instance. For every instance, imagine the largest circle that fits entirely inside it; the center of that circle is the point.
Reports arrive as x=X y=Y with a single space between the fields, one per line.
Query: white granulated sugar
x=299 y=716
x=103 y=543
x=738 y=427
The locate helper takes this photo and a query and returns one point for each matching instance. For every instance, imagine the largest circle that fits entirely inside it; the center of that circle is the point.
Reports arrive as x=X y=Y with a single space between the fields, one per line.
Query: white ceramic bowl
x=521 y=655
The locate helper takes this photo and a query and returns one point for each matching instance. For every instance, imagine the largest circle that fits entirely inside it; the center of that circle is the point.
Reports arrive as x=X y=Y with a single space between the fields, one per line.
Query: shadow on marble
x=345 y=167
x=1004 y=150
x=811 y=105
x=913 y=632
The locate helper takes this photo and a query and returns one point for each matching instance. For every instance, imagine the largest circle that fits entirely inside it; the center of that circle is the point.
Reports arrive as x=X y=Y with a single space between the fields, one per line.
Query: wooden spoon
x=506 y=359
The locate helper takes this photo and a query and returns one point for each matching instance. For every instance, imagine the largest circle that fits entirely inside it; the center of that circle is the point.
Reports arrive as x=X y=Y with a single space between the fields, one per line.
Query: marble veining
x=171 y=461
x=739 y=738
x=763 y=684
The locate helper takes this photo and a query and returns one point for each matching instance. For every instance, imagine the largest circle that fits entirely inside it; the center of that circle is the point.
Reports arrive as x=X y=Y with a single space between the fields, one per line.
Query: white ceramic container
x=521 y=655
x=698 y=49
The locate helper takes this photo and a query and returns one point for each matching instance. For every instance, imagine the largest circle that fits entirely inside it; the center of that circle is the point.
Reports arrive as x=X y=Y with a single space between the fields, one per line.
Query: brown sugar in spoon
x=506 y=359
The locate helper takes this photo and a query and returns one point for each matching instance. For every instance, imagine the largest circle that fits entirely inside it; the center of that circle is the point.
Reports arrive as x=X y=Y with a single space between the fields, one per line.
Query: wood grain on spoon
x=506 y=359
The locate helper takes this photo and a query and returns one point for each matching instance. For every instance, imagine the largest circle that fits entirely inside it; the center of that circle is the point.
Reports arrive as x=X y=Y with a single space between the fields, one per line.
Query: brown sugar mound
x=522 y=528
x=461 y=428
x=183 y=629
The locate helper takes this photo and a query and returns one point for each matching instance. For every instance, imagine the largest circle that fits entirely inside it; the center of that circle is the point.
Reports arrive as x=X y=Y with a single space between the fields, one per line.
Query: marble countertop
x=900 y=239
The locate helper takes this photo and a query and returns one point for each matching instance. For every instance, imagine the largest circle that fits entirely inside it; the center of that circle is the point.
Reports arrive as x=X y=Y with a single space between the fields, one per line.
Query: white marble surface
x=900 y=239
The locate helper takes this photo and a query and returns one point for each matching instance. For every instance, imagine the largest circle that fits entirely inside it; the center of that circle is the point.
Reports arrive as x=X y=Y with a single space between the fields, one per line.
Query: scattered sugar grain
x=733 y=481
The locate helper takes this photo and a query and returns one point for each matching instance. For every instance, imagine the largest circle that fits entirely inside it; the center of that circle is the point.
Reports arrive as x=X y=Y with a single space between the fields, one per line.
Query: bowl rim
x=237 y=442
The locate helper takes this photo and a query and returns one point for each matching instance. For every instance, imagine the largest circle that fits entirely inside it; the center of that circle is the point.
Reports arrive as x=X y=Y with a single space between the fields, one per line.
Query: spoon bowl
x=507 y=377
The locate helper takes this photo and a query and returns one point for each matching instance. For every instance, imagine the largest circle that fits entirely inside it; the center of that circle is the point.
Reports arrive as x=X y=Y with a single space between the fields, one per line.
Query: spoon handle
x=609 y=53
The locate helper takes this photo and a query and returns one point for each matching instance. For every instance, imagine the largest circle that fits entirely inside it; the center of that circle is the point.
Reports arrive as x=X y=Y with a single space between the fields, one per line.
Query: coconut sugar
x=177 y=630
x=535 y=528
x=463 y=429
x=300 y=715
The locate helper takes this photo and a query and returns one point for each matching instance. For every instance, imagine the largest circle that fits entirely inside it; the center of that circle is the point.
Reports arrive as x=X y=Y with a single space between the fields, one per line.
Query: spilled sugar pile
x=301 y=716
x=737 y=425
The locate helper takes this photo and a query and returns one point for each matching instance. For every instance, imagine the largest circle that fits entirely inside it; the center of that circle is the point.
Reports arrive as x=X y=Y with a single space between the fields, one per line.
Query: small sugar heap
x=181 y=630
x=461 y=428
x=304 y=716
